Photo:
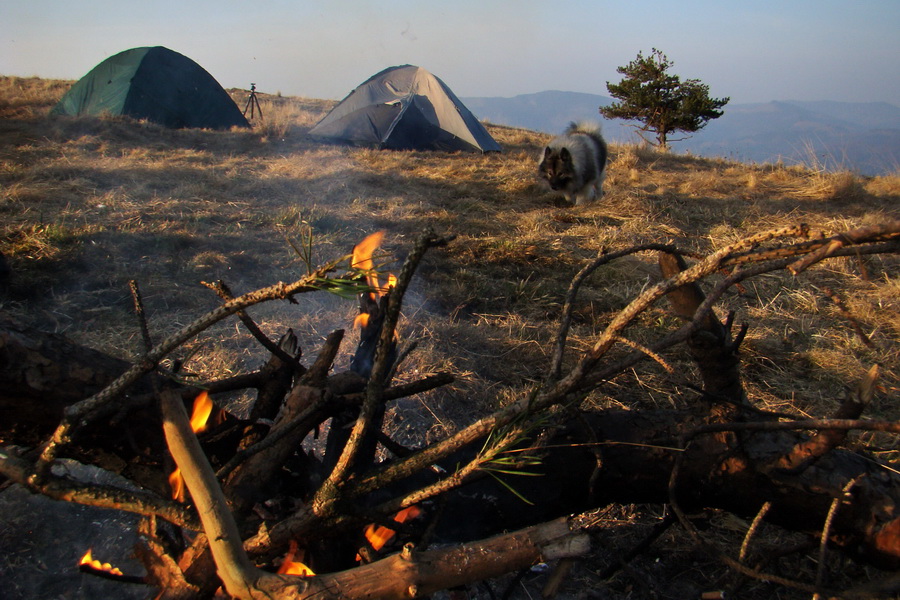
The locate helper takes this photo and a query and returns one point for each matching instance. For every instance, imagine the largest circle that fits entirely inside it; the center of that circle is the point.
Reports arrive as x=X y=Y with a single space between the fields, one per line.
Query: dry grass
x=279 y=117
x=87 y=204
x=29 y=96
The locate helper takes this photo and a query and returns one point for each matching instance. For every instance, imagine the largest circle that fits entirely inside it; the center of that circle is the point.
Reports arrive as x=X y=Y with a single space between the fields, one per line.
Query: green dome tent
x=405 y=108
x=156 y=84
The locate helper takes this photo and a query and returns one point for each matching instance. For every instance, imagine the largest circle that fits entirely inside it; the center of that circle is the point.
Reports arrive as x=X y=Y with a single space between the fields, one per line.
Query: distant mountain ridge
x=861 y=137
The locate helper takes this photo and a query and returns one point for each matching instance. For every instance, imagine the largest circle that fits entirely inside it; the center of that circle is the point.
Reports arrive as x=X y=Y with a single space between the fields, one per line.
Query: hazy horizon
x=757 y=52
x=732 y=103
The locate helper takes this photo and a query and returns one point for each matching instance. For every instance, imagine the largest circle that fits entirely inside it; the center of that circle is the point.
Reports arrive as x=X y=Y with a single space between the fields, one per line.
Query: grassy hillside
x=88 y=204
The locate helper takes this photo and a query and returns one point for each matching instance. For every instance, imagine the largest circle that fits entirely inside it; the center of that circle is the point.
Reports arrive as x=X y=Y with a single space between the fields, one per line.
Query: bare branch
x=91 y=494
x=575 y=286
x=222 y=290
x=887 y=230
x=412 y=574
x=237 y=573
x=800 y=424
x=139 y=311
x=807 y=451
x=714 y=550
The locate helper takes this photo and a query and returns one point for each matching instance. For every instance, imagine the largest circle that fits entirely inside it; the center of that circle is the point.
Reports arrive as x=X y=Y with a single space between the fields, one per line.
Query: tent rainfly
x=405 y=108
x=156 y=84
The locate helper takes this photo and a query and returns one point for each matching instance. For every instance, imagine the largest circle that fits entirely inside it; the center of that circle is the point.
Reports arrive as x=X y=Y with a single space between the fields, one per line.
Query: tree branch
x=412 y=574
x=222 y=290
x=237 y=573
x=91 y=494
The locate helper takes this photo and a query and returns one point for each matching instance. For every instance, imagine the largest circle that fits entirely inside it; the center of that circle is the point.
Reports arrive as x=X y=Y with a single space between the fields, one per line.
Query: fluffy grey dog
x=575 y=163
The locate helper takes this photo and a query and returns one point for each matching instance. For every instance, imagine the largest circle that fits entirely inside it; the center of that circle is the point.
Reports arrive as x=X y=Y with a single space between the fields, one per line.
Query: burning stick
x=372 y=306
x=379 y=535
x=367 y=425
x=233 y=566
x=92 y=566
x=203 y=406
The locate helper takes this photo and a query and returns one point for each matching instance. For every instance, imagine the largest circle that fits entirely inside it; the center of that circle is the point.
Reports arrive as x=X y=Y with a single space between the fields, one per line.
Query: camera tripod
x=253 y=103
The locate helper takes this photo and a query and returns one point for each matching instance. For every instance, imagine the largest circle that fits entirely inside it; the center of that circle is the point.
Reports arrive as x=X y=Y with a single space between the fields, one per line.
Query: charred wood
x=43 y=373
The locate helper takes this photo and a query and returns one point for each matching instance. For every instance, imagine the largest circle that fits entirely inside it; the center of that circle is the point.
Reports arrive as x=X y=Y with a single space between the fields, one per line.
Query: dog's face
x=557 y=168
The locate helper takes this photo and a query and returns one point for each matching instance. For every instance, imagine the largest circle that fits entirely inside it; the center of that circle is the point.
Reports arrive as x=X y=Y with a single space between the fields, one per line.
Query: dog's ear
x=565 y=155
x=547 y=151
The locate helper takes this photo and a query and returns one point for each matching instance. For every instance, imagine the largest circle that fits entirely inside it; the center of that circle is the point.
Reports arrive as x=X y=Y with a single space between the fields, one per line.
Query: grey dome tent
x=405 y=108
x=156 y=84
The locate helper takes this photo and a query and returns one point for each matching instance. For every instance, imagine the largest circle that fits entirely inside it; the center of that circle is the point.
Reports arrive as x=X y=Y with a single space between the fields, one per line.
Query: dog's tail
x=587 y=127
x=591 y=128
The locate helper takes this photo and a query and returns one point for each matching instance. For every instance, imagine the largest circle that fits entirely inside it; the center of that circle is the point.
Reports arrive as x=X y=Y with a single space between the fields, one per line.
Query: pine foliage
x=659 y=100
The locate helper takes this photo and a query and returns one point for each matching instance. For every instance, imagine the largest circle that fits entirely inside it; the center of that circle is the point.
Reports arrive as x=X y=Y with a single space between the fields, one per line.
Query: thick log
x=711 y=346
x=247 y=484
x=42 y=374
x=412 y=574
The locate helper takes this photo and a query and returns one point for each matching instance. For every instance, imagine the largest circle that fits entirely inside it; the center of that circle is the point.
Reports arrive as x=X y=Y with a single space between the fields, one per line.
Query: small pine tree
x=661 y=101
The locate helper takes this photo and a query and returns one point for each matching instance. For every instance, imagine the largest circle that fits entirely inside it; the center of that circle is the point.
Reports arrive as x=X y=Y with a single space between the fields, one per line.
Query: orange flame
x=203 y=406
x=176 y=482
x=379 y=535
x=88 y=560
x=361 y=320
x=290 y=567
x=362 y=256
x=362 y=260
x=410 y=512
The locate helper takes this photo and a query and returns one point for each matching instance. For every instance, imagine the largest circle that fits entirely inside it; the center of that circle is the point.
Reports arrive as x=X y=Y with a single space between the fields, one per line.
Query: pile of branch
x=255 y=493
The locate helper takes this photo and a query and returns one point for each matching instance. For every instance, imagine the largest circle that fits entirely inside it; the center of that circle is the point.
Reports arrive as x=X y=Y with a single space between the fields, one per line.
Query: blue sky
x=752 y=51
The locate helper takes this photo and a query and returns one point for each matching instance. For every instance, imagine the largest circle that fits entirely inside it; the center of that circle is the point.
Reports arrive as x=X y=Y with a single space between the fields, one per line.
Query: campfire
x=256 y=489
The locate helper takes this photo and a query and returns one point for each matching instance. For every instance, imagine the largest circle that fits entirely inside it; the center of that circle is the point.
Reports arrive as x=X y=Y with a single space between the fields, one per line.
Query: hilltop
x=89 y=204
